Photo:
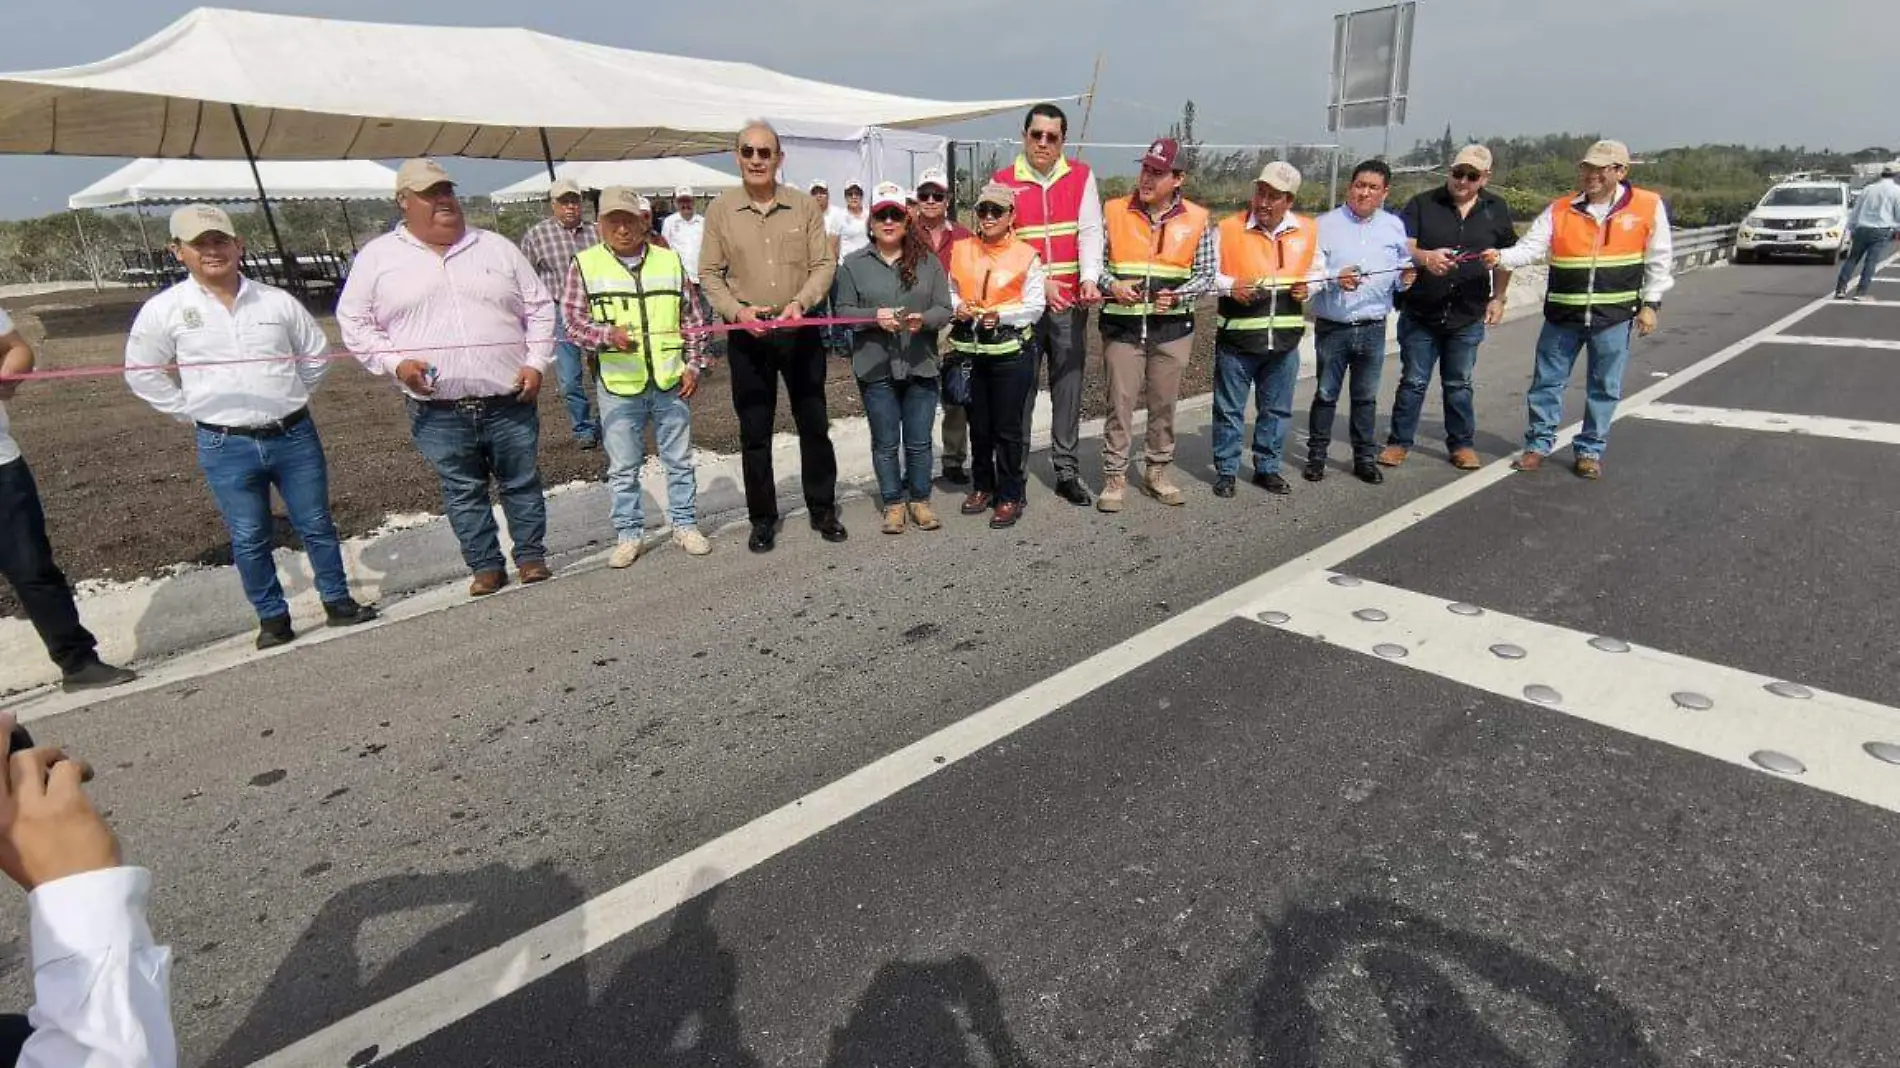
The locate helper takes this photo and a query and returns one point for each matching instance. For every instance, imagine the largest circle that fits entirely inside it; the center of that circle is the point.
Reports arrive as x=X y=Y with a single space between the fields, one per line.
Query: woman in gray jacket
x=898 y=281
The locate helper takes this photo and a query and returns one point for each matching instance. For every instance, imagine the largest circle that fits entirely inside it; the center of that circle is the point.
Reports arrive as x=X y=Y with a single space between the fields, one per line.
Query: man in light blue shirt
x=1874 y=220
x=1366 y=246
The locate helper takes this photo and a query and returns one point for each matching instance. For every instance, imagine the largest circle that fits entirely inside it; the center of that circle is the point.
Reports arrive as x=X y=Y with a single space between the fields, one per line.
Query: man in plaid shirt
x=550 y=246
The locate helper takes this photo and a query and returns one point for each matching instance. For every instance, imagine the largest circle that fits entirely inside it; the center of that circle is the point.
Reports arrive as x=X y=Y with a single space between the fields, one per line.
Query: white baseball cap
x=194 y=220
x=934 y=176
x=683 y=191
x=887 y=194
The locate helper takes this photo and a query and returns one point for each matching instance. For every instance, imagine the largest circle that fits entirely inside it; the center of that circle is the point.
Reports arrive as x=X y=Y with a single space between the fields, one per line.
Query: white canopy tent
x=646 y=175
x=185 y=181
x=841 y=154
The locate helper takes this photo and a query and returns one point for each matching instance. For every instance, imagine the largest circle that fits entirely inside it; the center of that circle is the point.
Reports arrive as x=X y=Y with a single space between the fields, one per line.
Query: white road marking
x=1834 y=342
x=1870 y=302
x=406 y=1018
x=1820 y=426
x=1705 y=708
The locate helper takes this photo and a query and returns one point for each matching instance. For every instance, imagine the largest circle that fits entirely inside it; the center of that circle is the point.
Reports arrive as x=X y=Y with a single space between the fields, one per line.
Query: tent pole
x=86 y=254
x=291 y=274
x=145 y=243
x=350 y=226
x=547 y=153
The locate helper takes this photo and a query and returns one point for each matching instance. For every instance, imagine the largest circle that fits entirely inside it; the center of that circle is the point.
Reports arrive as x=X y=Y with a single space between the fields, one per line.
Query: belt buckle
x=274 y=428
x=471 y=405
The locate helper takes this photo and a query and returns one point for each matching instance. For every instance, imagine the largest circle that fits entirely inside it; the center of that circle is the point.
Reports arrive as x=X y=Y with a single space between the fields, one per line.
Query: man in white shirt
x=854 y=232
x=684 y=231
x=1872 y=224
x=837 y=338
x=247 y=356
x=26 y=556
x=101 y=988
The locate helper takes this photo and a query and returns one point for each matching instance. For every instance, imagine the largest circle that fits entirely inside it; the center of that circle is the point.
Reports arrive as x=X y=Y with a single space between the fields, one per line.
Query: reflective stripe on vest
x=1275 y=263
x=1047 y=214
x=1139 y=251
x=1596 y=269
x=646 y=306
x=991 y=277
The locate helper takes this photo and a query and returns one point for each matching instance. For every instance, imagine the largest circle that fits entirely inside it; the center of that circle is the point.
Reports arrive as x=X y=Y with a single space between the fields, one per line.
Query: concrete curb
x=147 y=620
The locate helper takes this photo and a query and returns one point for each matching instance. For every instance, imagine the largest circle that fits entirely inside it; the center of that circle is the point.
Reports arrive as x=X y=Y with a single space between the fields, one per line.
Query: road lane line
x=1838 y=744
x=1834 y=342
x=406 y=1018
x=1820 y=426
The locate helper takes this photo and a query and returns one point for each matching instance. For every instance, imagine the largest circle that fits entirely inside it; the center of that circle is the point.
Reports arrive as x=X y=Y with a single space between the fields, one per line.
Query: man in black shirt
x=1443 y=316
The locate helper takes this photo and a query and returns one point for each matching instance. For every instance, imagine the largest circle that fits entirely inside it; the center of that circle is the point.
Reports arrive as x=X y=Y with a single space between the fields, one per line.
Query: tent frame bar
x=291 y=274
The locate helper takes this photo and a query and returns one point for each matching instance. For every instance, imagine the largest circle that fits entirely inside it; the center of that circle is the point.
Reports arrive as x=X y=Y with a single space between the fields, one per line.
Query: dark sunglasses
x=756 y=152
x=990 y=211
x=1043 y=137
x=889 y=215
x=932 y=198
x=1466 y=174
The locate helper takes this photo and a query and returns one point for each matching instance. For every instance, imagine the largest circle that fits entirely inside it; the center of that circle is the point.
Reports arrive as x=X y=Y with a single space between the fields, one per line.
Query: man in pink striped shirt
x=459 y=317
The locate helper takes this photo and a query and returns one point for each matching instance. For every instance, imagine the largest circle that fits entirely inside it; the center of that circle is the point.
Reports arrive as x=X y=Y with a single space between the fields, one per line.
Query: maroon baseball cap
x=1161 y=155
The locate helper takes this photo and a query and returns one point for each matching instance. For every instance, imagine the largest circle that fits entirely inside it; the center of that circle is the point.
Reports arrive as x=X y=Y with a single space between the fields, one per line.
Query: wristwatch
x=1653 y=305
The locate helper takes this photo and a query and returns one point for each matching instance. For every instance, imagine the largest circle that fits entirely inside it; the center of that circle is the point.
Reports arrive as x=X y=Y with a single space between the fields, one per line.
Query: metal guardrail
x=1701 y=247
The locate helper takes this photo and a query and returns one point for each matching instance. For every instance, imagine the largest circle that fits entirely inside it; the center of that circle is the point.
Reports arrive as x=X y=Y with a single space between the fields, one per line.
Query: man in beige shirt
x=767 y=259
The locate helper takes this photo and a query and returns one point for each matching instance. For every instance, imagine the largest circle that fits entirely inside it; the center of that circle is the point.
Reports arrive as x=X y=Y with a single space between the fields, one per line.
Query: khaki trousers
x=1135 y=369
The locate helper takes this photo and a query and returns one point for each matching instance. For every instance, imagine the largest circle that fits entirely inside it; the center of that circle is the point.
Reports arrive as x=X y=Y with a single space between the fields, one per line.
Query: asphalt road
x=1254 y=847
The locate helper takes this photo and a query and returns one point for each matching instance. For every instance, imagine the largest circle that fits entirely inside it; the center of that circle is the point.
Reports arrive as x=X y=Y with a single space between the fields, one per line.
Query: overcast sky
x=1652 y=72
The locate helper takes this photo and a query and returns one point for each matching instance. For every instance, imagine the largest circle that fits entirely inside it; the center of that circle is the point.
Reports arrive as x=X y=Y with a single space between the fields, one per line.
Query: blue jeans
x=1342 y=348
x=1868 y=249
x=241 y=472
x=1271 y=380
x=571 y=368
x=901 y=414
x=1557 y=348
x=467 y=447
x=1455 y=354
x=623 y=424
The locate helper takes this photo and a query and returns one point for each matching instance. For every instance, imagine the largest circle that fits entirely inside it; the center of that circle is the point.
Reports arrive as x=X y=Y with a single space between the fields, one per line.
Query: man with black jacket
x=1443 y=316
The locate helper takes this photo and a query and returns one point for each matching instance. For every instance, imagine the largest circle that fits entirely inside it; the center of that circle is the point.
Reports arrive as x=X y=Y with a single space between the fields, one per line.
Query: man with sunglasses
x=766 y=260
x=940 y=232
x=1059 y=211
x=1442 y=317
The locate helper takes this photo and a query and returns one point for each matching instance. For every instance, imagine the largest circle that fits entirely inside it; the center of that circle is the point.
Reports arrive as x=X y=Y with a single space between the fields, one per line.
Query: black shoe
x=1272 y=483
x=274 y=632
x=1314 y=470
x=1368 y=472
x=830 y=528
x=764 y=536
x=1223 y=485
x=1073 y=491
x=955 y=475
x=587 y=442
x=96 y=676
x=347 y=613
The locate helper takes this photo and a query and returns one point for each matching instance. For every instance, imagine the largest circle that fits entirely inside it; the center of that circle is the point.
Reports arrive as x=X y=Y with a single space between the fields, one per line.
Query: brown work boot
x=922 y=517
x=1527 y=461
x=487 y=582
x=1392 y=455
x=1588 y=467
x=893 y=519
x=1114 y=488
x=534 y=571
x=1465 y=459
x=1156 y=483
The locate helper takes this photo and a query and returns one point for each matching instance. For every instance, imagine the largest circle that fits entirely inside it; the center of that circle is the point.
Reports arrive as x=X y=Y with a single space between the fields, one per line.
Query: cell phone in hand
x=19 y=740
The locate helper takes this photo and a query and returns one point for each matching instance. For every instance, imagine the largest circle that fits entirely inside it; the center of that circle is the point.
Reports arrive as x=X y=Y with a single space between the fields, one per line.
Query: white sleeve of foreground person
x=101 y=988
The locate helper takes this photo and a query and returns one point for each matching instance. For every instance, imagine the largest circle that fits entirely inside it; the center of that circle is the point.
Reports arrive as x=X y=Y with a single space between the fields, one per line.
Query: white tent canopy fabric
x=645 y=175
x=841 y=154
x=184 y=181
x=314 y=88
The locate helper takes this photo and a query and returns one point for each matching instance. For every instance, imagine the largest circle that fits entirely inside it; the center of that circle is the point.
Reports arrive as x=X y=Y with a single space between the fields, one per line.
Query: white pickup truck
x=1807 y=218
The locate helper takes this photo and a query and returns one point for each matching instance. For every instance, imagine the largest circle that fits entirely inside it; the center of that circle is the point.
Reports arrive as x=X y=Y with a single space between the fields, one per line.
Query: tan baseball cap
x=997 y=193
x=564 y=187
x=1281 y=175
x=416 y=175
x=193 y=220
x=622 y=198
x=1608 y=154
x=1476 y=156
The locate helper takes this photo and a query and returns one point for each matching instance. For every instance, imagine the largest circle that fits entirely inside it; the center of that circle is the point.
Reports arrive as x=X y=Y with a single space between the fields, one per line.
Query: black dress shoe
x=274 y=632
x=1073 y=491
x=1314 y=470
x=955 y=475
x=1223 y=485
x=830 y=528
x=1272 y=483
x=1368 y=473
x=347 y=613
x=94 y=676
x=764 y=537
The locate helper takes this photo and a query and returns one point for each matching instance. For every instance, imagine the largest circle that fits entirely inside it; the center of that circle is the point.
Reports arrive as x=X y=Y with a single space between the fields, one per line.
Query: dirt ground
x=121 y=486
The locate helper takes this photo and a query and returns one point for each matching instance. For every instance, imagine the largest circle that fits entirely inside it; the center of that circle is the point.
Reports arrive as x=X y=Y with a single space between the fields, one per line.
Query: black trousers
x=999 y=429
x=26 y=558
x=757 y=364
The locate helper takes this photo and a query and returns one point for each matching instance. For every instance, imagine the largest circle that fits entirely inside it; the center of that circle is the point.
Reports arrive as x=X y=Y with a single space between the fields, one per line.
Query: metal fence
x=1701 y=247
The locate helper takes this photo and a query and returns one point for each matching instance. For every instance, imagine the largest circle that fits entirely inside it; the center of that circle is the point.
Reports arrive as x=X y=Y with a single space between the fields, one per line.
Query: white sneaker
x=625 y=554
x=692 y=541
